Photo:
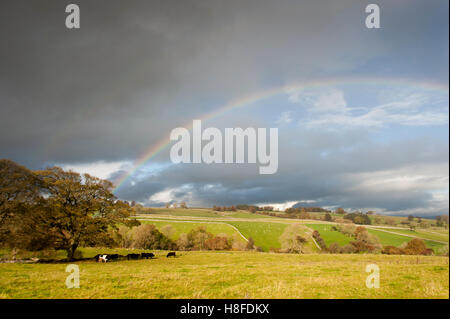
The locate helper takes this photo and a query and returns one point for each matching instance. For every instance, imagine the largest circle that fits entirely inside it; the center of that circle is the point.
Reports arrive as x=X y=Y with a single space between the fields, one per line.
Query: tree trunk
x=71 y=251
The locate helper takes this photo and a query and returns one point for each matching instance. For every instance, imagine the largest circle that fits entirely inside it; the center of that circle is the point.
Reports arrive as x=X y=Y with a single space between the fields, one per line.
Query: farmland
x=241 y=274
x=233 y=275
x=266 y=230
x=330 y=236
x=181 y=227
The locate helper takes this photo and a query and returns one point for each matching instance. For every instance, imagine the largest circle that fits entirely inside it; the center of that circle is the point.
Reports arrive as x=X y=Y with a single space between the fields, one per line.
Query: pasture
x=266 y=230
x=421 y=233
x=200 y=212
x=388 y=237
x=195 y=212
x=181 y=227
x=330 y=236
x=233 y=275
x=265 y=235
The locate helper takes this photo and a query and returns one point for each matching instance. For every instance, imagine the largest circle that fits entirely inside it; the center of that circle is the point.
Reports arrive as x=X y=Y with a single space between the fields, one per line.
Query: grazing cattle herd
x=103 y=258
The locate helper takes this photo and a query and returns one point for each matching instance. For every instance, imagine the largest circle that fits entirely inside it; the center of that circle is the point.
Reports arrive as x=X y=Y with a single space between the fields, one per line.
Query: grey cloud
x=335 y=180
x=137 y=69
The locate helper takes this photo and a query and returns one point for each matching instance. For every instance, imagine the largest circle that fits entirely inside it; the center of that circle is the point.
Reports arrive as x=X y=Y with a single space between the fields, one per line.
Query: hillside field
x=181 y=227
x=266 y=230
x=240 y=274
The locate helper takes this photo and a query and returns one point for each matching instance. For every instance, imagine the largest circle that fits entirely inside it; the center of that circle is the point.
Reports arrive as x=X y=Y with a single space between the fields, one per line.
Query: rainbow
x=264 y=94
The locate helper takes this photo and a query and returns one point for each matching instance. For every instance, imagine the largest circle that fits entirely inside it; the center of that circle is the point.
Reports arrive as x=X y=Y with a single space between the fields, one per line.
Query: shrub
x=348 y=249
x=319 y=240
x=359 y=230
x=367 y=238
x=359 y=246
x=415 y=247
x=348 y=230
x=197 y=238
x=291 y=241
x=250 y=244
x=238 y=245
x=217 y=243
x=391 y=250
x=183 y=242
x=444 y=251
x=334 y=248
x=147 y=236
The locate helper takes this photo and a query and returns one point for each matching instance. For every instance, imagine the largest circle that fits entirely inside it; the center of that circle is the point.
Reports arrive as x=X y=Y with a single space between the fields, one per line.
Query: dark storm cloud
x=336 y=180
x=137 y=69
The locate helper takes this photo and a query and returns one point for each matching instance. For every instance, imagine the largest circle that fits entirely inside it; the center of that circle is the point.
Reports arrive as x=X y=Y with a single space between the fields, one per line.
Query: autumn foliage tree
x=58 y=209
x=19 y=188
x=79 y=209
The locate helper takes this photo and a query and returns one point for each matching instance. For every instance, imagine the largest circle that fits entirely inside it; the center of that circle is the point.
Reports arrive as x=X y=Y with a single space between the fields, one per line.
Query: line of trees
x=251 y=208
x=147 y=236
x=358 y=218
x=225 y=208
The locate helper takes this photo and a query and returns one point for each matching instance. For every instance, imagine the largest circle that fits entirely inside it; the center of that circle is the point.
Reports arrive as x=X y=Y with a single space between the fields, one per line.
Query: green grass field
x=422 y=234
x=265 y=235
x=330 y=236
x=233 y=275
x=396 y=240
x=202 y=212
x=386 y=238
x=181 y=227
x=199 y=212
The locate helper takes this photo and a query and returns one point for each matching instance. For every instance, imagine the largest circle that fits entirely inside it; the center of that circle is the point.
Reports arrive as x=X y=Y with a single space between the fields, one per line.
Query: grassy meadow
x=234 y=275
x=237 y=274
x=181 y=227
x=266 y=230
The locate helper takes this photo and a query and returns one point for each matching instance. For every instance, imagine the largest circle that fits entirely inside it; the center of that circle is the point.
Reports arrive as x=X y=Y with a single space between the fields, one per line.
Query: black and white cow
x=102 y=258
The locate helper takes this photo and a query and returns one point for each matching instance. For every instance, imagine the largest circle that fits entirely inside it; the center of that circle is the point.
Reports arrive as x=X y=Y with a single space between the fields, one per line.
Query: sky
x=362 y=114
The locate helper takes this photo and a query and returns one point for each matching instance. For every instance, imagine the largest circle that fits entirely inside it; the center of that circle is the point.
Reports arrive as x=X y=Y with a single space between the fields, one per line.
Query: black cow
x=171 y=254
x=113 y=256
x=133 y=256
x=147 y=255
